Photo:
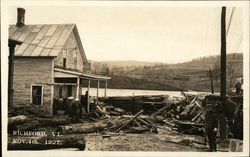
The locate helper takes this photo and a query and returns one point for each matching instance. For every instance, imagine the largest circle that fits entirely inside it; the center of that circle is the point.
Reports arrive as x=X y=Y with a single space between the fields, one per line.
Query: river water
x=133 y=92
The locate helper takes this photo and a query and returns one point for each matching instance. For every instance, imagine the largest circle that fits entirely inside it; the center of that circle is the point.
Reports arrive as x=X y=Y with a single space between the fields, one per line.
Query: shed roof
x=40 y=40
x=83 y=75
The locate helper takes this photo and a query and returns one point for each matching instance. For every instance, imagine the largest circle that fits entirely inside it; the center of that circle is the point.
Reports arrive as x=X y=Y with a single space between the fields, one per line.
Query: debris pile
x=141 y=114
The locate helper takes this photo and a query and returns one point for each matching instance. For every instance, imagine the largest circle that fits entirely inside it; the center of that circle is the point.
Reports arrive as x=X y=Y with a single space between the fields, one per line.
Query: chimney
x=20 y=17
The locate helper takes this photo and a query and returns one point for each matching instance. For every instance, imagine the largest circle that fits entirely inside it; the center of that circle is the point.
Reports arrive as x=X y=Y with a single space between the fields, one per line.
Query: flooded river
x=133 y=92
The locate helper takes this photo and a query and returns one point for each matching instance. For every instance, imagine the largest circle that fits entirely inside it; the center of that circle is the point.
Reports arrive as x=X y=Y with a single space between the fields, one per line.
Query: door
x=37 y=95
x=69 y=91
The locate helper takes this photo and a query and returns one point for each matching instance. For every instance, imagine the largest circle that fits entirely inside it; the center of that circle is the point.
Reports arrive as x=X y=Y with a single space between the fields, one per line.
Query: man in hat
x=211 y=121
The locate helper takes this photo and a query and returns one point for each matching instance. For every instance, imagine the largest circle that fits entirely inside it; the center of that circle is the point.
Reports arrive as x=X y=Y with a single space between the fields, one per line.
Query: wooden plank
x=41 y=34
x=11 y=27
x=45 y=52
x=37 y=28
x=30 y=37
x=160 y=110
x=17 y=33
x=25 y=33
x=51 y=30
x=64 y=36
x=36 y=51
x=54 y=52
x=55 y=36
x=44 y=41
x=21 y=49
x=12 y=31
x=137 y=114
x=28 y=50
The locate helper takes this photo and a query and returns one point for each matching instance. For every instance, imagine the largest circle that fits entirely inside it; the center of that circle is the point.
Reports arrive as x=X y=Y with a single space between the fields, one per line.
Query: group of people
x=75 y=108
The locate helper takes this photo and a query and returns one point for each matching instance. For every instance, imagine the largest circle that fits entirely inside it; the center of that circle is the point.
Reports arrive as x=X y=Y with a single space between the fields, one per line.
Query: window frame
x=31 y=93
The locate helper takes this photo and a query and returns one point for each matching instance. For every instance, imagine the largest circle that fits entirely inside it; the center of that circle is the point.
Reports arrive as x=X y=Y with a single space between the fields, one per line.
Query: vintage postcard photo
x=125 y=78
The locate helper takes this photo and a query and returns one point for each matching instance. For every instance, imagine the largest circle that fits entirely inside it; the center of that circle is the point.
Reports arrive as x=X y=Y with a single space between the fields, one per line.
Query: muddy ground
x=165 y=140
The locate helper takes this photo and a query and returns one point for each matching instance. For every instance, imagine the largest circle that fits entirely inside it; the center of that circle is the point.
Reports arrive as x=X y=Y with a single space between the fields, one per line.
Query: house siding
x=32 y=71
x=72 y=49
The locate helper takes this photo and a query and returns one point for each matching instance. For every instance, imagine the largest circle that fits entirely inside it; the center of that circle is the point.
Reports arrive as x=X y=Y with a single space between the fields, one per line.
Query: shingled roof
x=41 y=40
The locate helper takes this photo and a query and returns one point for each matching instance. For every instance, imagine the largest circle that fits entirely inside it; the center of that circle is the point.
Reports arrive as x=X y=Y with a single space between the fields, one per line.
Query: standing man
x=238 y=88
x=211 y=121
x=85 y=100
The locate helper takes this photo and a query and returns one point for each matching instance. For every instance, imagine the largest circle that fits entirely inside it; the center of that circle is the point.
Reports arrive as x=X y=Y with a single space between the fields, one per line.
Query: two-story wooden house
x=50 y=63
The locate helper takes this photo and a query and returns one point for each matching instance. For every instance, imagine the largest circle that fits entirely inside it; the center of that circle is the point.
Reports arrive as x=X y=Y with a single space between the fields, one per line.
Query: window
x=37 y=93
x=64 y=62
x=75 y=60
x=64 y=58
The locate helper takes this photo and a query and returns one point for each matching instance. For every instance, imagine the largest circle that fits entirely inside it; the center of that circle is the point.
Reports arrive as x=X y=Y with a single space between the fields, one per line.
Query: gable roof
x=40 y=40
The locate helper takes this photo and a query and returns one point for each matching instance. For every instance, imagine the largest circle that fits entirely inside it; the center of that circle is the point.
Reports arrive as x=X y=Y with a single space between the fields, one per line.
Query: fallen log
x=84 y=128
x=138 y=114
x=17 y=119
x=144 y=117
x=30 y=125
x=54 y=121
x=45 y=143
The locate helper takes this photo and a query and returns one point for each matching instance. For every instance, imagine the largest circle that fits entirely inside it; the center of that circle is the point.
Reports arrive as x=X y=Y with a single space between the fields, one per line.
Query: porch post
x=105 y=92
x=88 y=96
x=97 y=93
x=77 y=88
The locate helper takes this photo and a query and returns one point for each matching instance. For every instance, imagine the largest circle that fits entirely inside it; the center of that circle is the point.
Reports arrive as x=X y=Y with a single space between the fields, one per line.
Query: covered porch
x=69 y=83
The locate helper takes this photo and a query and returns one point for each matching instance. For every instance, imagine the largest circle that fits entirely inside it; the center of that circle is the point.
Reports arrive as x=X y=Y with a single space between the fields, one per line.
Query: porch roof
x=82 y=75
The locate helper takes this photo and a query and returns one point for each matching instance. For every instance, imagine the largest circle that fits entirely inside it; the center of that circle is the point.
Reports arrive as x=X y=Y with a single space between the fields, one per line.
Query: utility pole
x=211 y=79
x=223 y=53
x=221 y=116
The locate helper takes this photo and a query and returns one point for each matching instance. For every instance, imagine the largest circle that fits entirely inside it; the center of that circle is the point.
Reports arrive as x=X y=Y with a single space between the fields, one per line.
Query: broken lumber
x=187 y=98
x=197 y=116
x=160 y=110
x=138 y=114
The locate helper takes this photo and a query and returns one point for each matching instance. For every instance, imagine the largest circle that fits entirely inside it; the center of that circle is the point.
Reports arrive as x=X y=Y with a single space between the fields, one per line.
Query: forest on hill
x=192 y=75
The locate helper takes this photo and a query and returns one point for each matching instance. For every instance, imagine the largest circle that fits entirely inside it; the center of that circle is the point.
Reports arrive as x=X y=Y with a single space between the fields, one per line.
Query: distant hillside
x=113 y=64
x=192 y=75
x=124 y=82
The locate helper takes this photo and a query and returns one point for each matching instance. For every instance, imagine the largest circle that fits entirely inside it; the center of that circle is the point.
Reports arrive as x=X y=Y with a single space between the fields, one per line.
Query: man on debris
x=211 y=122
x=238 y=88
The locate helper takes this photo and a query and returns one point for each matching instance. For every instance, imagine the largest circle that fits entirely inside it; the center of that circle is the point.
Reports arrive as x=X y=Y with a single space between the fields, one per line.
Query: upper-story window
x=75 y=59
x=64 y=58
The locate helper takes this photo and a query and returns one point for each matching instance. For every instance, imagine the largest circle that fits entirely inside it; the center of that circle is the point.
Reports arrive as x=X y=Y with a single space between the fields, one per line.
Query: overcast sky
x=164 y=34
